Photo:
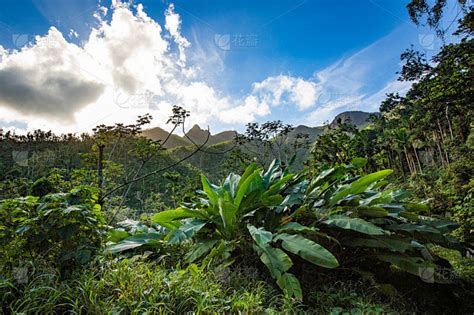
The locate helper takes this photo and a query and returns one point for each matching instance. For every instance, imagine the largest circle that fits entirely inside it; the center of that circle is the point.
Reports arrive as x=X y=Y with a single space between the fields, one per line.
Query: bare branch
x=155 y=172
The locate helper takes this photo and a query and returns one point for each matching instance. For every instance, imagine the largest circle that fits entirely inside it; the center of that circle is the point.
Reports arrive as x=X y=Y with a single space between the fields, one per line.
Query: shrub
x=65 y=228
x=282 y=216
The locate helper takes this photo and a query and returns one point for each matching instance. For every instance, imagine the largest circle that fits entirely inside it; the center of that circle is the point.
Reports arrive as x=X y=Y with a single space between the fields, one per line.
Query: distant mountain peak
x=196 y=127
x=356 y=117
x=199 y=135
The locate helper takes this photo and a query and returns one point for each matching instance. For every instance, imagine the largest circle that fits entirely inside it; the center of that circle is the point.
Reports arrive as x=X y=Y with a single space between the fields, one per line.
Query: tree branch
x=156 y=171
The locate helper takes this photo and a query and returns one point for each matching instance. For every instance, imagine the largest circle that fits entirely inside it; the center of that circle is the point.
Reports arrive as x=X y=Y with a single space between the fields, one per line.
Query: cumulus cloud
x=130 y=65
x=41 y=80
x=285 y=89
x=55 y=94
x=173 y=25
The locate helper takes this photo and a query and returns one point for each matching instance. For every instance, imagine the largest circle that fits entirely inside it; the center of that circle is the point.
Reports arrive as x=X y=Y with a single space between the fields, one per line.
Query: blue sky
x=229 y=62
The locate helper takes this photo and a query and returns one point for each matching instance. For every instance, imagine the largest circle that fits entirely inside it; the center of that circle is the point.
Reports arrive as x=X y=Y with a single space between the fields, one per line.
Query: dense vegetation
x=367 y=219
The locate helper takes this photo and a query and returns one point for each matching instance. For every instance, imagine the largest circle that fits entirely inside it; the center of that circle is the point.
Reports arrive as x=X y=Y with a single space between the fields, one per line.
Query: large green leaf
x=170 y=218
x=185 y=231
x=133 y=242
x=248 y=171
x=296 y=227
x=355 y=224
x=272 y=173
x=199 y=250
x=362 y=183
x=272 y=201
x=359 y=185
x=231 y=183
x=290 y=285
x=276 y=260
x=308 y=250
x=413 y=228
x=118 y=235
x=277 y=186
x=210 y=191
x=391 y=244
x=425 y=269
x=227 y=211
x=372 y=212
x=245 y=188
x=359 y=162
x=260 y=236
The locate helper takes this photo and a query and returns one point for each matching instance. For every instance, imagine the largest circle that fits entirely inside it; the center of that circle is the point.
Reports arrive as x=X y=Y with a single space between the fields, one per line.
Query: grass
x=463 y=266
x=134 y=286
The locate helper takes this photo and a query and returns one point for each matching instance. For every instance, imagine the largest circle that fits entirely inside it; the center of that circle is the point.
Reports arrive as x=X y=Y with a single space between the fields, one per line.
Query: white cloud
x=126 y=67
x=372 y=102
x=325 y=113
x=361 y=80
x=129 y=65
x=173 y=25
x=285 y=89
x=247 y=112
x=43 y=79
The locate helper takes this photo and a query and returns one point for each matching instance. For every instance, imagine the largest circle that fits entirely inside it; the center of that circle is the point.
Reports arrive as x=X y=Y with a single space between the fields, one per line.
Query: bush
x=64 y=229
x=288 y=219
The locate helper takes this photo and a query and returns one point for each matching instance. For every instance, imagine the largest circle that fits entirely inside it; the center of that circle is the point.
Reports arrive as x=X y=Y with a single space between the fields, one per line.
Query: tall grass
x=134 y=287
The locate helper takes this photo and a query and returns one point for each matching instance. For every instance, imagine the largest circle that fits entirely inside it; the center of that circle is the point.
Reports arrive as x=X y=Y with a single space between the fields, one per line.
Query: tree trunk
x=389 y=156
x=417 y=159
x=401 y=163
x=440 y=152
x=408 y=159
x=100 y=170
x=449 y=123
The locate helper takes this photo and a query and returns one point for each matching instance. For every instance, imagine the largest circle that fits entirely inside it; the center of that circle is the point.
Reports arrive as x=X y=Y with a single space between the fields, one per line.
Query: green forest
x=372 y=213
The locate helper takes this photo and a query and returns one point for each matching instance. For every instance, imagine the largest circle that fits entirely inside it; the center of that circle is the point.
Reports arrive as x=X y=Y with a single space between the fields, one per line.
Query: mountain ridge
x=199 y=135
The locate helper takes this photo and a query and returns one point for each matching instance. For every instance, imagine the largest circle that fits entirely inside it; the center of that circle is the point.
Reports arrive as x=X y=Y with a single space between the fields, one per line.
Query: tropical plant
x=243 y=212
x=280 y=214
x=377 y=223
x=65 y=228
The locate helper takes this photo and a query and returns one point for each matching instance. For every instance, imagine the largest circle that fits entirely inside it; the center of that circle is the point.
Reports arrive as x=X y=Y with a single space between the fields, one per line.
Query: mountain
x=196 y=134
x=199 y=135
x=312 y=132
x=358 y=118
x=160 y=134
x=224 y=136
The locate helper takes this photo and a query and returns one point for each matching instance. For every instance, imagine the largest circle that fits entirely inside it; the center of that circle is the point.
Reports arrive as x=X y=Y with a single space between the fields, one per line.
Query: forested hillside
x=372 y=213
